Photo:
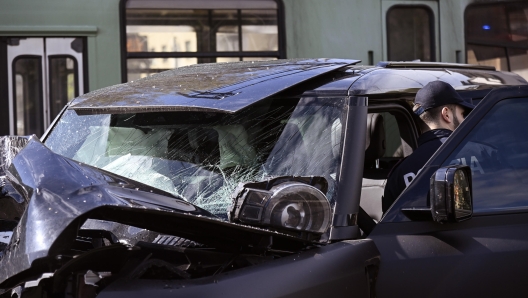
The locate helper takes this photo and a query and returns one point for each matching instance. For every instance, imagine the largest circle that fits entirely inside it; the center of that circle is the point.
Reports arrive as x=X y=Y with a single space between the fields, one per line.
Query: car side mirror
x=451 y=194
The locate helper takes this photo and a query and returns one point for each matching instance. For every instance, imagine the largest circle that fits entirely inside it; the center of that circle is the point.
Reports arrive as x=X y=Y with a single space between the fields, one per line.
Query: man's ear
x=447 y=116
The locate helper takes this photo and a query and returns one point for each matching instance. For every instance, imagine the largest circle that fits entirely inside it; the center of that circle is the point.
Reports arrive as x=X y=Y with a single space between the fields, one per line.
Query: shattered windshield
x=202 y=156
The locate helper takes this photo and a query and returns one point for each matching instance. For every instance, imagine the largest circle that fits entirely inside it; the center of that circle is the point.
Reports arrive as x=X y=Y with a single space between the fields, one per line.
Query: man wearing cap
x=441 y=109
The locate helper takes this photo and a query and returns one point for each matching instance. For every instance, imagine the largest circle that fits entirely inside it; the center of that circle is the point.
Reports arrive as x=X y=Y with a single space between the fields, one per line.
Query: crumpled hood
x=60 y=194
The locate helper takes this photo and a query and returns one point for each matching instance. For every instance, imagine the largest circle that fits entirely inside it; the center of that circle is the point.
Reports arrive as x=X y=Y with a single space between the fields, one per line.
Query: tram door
x=43 y=74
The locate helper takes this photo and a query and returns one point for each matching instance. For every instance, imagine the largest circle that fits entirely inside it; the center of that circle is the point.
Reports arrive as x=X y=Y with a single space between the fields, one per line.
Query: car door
x=486 y=255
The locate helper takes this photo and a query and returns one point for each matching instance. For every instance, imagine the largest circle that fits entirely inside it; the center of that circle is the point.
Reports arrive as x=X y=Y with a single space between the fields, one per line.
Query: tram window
x=410 y=33
x=228 y=59
x=259 y=30
x=497 y=35
x=488 y=22
x=227 y=39
x=27 y=72
x=63 y=81
x=486 y=55
x=140 y=68
x=226 y=31
x=161 y=38
x=19 y=81
x=257 y=58
x=519 y=61
x=188 y=32
x=260 y=33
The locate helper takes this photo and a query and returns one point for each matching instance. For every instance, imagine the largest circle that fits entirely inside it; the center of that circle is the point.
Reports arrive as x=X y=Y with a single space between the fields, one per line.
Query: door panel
x=43 y=74
x=482 y=257
x=487 y=255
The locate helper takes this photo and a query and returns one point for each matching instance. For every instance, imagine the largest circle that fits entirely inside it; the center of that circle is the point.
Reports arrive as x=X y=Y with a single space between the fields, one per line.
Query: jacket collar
x=433 y=135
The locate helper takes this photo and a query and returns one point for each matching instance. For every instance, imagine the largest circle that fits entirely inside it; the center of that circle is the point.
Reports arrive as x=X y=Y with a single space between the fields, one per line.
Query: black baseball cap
x=437 y=94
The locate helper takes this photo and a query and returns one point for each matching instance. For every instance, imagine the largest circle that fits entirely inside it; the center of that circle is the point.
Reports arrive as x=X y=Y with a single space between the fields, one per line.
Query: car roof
x=389 y=79
x=222 y=87
x=230 y=87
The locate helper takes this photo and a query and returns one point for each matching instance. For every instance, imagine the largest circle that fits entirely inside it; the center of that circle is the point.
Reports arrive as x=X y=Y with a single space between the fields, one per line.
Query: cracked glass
x=202 y=156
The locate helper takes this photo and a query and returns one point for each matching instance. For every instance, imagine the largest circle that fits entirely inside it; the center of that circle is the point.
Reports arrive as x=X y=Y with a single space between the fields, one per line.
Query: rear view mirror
x=451 y=194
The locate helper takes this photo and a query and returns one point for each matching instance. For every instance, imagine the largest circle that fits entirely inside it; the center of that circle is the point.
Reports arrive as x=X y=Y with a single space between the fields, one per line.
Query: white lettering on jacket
x=409 y=177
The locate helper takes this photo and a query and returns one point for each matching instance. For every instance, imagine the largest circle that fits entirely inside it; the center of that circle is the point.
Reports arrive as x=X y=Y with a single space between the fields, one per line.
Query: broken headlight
x=290 y=205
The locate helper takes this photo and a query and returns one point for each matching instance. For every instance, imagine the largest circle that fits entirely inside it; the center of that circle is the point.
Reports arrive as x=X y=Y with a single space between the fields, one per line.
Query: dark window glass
x=63 y=81
x=497 y=35
x=410 y=34
x=161 y=39
x=27 y=72
x=497 y=152
x=4 y=87
x=487 y=22
x=498 y=23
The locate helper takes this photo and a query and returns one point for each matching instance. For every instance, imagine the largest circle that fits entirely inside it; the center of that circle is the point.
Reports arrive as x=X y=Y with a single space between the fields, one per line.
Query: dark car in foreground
x=264 y=179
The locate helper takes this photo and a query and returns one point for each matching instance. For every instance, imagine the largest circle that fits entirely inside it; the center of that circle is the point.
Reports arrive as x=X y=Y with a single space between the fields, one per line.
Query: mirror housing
x=451 y=194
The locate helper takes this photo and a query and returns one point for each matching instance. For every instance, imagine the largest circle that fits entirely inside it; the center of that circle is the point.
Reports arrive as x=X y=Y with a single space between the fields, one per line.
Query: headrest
x=375 y=143
x=205 y=145
x=202 y=138
x=235 y=149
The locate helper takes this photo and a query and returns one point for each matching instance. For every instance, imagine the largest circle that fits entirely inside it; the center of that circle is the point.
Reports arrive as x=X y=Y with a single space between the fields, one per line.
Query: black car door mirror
x=451 y=194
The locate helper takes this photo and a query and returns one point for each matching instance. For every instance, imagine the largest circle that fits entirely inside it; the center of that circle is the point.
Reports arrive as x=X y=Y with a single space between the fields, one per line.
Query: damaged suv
x=264 y=179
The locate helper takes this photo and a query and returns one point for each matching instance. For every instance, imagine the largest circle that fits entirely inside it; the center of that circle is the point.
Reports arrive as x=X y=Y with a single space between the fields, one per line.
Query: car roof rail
x=418 y=64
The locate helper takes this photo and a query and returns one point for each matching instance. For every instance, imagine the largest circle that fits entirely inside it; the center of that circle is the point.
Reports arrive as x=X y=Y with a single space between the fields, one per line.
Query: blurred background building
x=54 y=50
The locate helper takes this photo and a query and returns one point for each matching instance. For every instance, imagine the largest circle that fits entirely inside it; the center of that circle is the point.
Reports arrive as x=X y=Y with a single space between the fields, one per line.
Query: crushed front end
x=193 y=203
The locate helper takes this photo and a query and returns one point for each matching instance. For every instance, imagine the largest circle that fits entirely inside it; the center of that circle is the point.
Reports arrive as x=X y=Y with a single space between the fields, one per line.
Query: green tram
x=52 y=51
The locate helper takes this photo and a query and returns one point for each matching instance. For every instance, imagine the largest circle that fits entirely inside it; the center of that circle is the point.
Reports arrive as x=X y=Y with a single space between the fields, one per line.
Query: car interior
x=387 y=142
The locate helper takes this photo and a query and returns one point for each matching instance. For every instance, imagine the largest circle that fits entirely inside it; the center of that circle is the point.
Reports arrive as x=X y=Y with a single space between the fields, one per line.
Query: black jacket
x=404 y=172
